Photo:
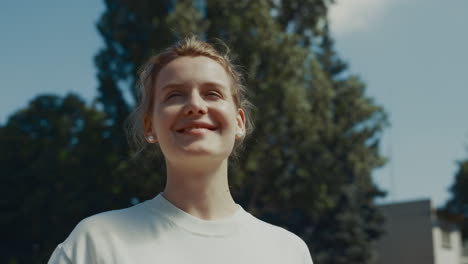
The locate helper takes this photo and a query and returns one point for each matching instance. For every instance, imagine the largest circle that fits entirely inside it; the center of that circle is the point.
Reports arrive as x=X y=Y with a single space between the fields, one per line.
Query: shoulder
x=279 y=238
x=103 y=237
x=111 y=221
x=275 y=232
x=104 y=230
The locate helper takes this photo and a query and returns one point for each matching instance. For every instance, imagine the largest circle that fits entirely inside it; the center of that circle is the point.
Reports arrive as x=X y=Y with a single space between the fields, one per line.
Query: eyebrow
x=172 y=85
x=182 y=85
x=215 y=84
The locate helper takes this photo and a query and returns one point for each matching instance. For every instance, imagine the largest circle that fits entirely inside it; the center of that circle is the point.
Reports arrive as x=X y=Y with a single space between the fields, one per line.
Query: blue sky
x=47 y=47
x=411 y=54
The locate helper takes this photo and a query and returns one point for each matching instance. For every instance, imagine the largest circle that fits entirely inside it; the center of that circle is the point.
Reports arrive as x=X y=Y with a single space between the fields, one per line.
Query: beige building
x=416 y=234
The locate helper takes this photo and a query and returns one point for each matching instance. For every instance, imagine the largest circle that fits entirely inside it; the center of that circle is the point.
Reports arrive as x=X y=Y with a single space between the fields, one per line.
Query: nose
x=195 y=104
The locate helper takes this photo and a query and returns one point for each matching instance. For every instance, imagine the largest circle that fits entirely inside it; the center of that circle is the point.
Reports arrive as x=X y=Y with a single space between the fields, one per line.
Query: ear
x=148 y=130
x=240 y=130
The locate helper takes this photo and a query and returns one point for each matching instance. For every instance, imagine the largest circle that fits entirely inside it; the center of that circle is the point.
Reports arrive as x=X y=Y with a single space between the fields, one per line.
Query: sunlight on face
x=194 y=113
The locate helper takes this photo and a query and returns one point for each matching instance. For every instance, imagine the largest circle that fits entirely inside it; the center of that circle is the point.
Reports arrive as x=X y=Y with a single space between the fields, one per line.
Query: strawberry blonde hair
x=187 y=47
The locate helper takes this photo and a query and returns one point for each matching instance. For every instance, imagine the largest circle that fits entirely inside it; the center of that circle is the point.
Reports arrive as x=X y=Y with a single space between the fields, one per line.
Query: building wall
x=447 y=243
x=464 y=260
x=408 y=238
x=464 y=257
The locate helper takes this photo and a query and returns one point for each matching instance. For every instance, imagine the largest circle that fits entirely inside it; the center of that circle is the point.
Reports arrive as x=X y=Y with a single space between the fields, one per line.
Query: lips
x=195 y=126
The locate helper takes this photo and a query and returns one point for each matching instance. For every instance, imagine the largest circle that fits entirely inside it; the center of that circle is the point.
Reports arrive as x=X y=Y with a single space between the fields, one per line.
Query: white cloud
x=348 y=16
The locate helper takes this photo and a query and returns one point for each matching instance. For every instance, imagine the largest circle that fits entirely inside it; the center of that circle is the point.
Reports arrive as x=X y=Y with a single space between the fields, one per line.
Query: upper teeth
x=192 y=128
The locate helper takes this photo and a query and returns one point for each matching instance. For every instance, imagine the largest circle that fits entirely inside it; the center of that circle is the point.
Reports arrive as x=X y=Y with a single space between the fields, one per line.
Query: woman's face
x=194 y=114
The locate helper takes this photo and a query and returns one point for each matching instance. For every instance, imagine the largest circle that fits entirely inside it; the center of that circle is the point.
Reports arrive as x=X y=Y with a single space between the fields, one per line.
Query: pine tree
x=352 y=132
x=458 y=202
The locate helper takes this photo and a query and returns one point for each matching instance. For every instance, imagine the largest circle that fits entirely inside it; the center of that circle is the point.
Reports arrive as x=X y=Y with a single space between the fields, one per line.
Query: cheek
x=160 y=120
x=230 y=117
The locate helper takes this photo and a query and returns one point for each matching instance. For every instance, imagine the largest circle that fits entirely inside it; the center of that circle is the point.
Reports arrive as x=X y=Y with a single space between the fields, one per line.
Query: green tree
x=57 y=168
x=352 y=134
x=458 y=203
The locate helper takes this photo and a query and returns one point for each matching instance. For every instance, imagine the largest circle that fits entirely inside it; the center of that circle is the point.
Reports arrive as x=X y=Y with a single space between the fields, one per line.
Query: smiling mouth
x=195 y=130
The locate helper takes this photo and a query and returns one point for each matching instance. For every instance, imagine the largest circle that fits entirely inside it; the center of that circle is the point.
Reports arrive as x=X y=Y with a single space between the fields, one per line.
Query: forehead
x=198 y=70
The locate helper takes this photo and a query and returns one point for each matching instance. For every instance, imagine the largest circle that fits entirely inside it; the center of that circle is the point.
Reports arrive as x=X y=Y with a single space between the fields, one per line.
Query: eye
x=172 y=95
x=214 y=94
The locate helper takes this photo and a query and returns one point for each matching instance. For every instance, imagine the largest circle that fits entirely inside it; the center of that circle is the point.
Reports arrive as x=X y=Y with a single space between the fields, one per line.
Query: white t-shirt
x=156 y=231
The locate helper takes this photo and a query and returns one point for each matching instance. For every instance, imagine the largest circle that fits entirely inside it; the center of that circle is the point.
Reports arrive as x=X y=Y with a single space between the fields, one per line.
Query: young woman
x=193 y=107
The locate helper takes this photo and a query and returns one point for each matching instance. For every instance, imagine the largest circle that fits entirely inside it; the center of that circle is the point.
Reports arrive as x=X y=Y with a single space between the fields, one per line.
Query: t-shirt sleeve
x=59 y=256
x=79 y=247
x=306 y=258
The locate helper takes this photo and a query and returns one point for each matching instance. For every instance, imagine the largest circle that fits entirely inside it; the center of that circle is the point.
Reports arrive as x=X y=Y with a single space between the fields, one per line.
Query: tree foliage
x=306 y=167
x=458 y=203
x=48 y=156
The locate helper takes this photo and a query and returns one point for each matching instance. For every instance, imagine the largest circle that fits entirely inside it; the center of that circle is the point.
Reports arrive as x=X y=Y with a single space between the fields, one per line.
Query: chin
x=202 y=154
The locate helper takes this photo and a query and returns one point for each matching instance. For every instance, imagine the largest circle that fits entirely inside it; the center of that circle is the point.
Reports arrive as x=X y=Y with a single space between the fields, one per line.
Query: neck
x=201 y=191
